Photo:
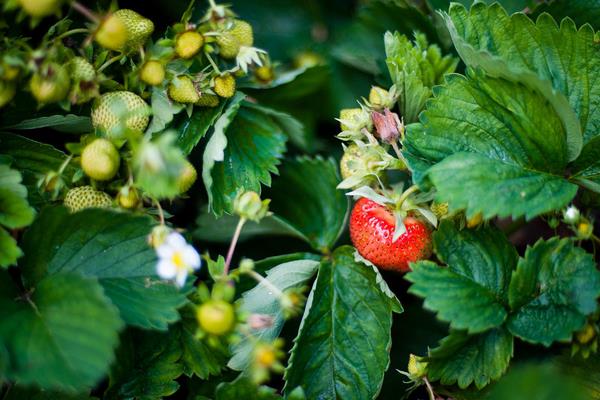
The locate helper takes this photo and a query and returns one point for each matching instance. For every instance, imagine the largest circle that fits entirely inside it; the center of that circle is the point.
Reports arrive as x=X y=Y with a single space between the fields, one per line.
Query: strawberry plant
x=182 y=215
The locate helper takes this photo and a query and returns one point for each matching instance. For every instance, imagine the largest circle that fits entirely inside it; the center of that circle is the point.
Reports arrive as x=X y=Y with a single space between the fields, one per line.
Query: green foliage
x=15 y=213
x=415 y=69
x=146 y=366
x=342 y=347
x=114 y=251
x=254 y=142
x=69 y=123
x=517 y=46
x=158 y=164
x=553 y=289
x=472 y=291
x=539 y=381
x=464 y=359
x=243 y=387
x=488 y=150
x=197 y=358
x=304 y=196
x=59 y=335
x=33 y=160
x=260 y=300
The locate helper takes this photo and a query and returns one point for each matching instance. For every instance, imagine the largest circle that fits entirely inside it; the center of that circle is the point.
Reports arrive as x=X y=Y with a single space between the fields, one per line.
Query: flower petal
x=166 y=269
x=191 y=257
x=176 y=241
x=181 y=277
x=164 y=251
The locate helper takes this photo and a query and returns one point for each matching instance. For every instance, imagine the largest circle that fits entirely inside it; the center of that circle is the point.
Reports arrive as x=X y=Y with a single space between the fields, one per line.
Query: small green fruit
x=112 y=33
x=117 y=110
x=182 y=90
x=83 y=197
x=187 y=178
x=128 y=198
x=138 y=29
x=50 y=84
x=208 y=100
x=40 y=8
x=188 y=44
x=100 y=160
x=216 y=317
x=224 y=86
x=7 y=92
x=152 y=73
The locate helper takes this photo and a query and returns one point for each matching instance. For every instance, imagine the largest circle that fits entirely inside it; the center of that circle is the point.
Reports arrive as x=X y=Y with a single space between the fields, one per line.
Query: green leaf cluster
x=517 y=134
x=415 y=68
x=489 y=294
x=15 y=213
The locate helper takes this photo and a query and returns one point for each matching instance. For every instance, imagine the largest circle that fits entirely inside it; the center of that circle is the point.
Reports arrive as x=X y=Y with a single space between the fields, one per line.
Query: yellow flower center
x=177 y=259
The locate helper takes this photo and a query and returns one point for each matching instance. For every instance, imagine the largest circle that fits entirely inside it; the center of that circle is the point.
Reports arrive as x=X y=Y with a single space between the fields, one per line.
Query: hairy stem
x=234 y=240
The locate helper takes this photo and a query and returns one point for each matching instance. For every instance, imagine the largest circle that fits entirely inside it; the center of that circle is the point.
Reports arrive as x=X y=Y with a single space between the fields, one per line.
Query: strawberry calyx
x=399 y=209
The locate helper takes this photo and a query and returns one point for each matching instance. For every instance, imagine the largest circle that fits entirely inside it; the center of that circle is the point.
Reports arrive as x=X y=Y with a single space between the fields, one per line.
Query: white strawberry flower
x=176 y=259
x=247 y=56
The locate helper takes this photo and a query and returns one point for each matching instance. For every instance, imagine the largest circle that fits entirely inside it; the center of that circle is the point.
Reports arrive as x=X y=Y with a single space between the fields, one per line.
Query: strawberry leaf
x=471 y=293
x=587 y=166
x=553 y=289
x=304 y=196
x=464 y=359
x=68 y=123
x=197 y=357
x=146 y=367
x=110 y=246
x=33 y=159
x=195 y=127
x=342 y=348
x=62 y=337
x=261 y=300
x=15 y=212
x=514 y=46
x=519 y=157
x=242 y=157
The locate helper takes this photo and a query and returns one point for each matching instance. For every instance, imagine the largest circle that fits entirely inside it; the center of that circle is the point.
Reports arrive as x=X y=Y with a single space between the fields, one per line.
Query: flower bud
x=387 y=125
x=380 y=98
x=416 y=367
x=248 y=205
x=571 y=215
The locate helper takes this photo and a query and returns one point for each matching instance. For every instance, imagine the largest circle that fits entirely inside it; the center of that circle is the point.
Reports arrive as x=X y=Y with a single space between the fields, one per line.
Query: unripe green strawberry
x=81 y=69
x=208 y=100
x=86 y=197
x=9 y=72
x=152 y=73
x=111 y=108
x=7 y=92
x=128 y=197
x=349 y=114
x=137 y=27
x=229 y=45
x=100 y=160
x=111 y=33
x=187 y=177
x=224 y=86
x=182 y=90
x=243 y=32
x=188 y=44
x=50 y=84
x=83 y=75
x=40 y=8
x=264 y=73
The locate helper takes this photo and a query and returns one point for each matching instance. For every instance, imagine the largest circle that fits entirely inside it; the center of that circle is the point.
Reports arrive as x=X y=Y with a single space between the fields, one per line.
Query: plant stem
x=262 y=280
x=407 y=193
x=234 y=240
x=212 y=62
x=596 y=238
x=85 y=11
x=71 y=32
x=109 y=62
x=160 y=212
x=64 y=164
x=429 y=389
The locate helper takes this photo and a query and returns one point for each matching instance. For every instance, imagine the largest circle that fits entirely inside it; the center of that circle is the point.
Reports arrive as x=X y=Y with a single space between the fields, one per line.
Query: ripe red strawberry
x=372 y=229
